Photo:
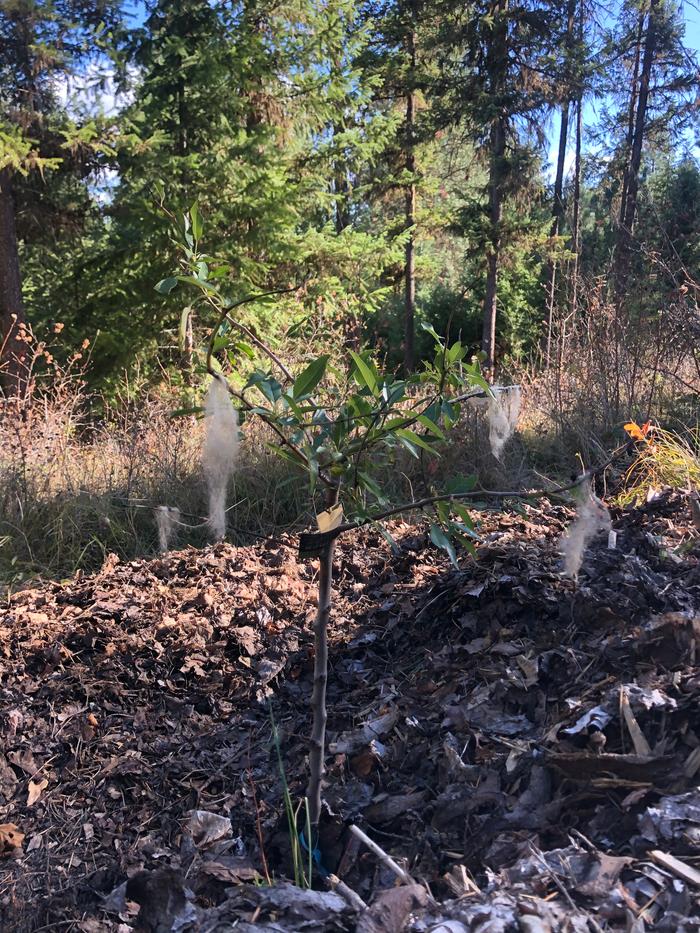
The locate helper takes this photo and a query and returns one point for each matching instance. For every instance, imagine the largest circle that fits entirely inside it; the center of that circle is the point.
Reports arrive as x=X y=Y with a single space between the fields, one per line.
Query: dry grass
x=80 y=479
x=605 y=370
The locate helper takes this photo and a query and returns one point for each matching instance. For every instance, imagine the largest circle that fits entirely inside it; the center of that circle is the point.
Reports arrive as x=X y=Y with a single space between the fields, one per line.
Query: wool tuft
x=502 y=415
x=167 y=520
x=220 y=451
x=592 y=516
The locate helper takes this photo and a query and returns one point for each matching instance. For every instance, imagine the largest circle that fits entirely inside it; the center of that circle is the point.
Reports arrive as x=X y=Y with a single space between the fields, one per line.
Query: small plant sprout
x=220 y=451
x=591 y=517
x=167 y=520
x=342 y=422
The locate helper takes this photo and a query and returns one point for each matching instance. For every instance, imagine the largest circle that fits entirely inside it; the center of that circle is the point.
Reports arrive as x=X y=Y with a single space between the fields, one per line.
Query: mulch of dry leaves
x=526 y=747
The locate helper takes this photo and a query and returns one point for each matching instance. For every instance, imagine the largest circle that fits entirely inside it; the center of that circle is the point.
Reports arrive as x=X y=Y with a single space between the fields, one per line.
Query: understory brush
x=605 y=370
x=81 y=479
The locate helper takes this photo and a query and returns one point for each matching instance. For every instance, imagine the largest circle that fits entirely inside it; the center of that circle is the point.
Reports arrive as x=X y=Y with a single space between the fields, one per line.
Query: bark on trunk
x=12 y=350
x=498 y=148
x=576 y=215
x=631 y=111
x=557 y=224
x=558 y=203
x=497 y=64
x=318 y=696
x=410 y=267
x=629 y=209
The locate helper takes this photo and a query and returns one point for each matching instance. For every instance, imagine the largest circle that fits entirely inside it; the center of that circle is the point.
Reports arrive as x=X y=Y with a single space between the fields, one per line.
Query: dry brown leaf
x=35 y=790
x=10 y=838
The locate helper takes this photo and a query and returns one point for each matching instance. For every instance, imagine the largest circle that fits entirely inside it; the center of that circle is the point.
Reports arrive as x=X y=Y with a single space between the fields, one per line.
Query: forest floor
x=527 y=747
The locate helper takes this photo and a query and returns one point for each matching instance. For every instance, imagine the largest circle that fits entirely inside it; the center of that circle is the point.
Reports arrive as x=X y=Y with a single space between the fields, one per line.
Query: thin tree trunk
x=488 y=339
x=410 y=267
x=557 y=223
x=629 y=210
x=340 y=183
x=12 y=350
x=318 y=696
x=630 y=117
x=578 y=142
x=576 y=217
x=497 y=66
x=558 y=203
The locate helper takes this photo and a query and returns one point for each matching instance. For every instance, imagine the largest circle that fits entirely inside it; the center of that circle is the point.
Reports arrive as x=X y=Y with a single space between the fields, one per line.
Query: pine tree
x=42 y=43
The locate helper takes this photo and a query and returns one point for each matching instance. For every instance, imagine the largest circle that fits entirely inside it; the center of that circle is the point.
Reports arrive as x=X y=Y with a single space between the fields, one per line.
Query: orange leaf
x=35 y=789
x=10 y=838
x=635 y=431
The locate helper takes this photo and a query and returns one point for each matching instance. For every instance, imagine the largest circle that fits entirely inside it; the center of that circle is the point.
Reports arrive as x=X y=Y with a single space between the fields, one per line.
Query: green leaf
x=364 y=373
x=196 y=220
x=431 y=426
x=460 y=484
x=371 y=486
x=182 y=332
x=307 y=381
x=406 y=435
x=387 y=537
x=165 y=286
x=441 y=540
x=463 y=513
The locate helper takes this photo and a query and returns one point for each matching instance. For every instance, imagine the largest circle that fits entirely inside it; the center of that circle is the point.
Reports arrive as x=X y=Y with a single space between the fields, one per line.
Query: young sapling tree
x=341 y=422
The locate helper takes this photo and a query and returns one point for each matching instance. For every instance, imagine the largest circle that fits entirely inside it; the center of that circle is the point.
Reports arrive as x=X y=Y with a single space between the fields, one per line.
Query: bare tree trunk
x=634 y=88
x=488 y=339
x=629 y=208
x=576 y=216
x=576 y=213
x=557 y=223
x=409 y=360
x=318 y=696
x=497 y=66
x=340 y=189
x=558 y=203
x=12 y=349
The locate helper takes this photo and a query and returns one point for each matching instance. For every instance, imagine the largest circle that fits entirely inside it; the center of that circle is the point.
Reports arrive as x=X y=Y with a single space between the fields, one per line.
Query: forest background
x=522 y=176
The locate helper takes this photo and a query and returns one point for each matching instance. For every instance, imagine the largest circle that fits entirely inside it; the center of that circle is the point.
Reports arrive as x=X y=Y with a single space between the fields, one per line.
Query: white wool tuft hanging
x=220 y=451
x=502 y=415
x=592 y=516
x=167 y=520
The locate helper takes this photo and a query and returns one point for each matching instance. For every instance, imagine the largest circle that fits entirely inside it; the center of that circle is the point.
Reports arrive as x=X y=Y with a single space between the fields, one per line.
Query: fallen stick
x=381 y=854
x=348 y=895
x=641 y=746
x=681 y=869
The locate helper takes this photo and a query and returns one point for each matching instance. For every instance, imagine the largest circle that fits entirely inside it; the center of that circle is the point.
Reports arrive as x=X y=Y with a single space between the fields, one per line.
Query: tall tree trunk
x=497 y=64
x=498 y=148
x=12 y=349
x=557 y=224
x=629 y=208
x=558 y=203
x=576 y=214
x=340 y=185
x=631 y=111
x=409 y=360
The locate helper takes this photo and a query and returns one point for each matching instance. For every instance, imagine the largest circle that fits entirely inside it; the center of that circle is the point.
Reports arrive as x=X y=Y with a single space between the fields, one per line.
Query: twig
x=352 y=897
x=381 y=854
x=480 y=493
x=552 y=874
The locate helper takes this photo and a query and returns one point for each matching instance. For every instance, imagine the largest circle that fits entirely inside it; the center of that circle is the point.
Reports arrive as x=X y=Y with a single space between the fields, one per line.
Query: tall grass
x=80 y=478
